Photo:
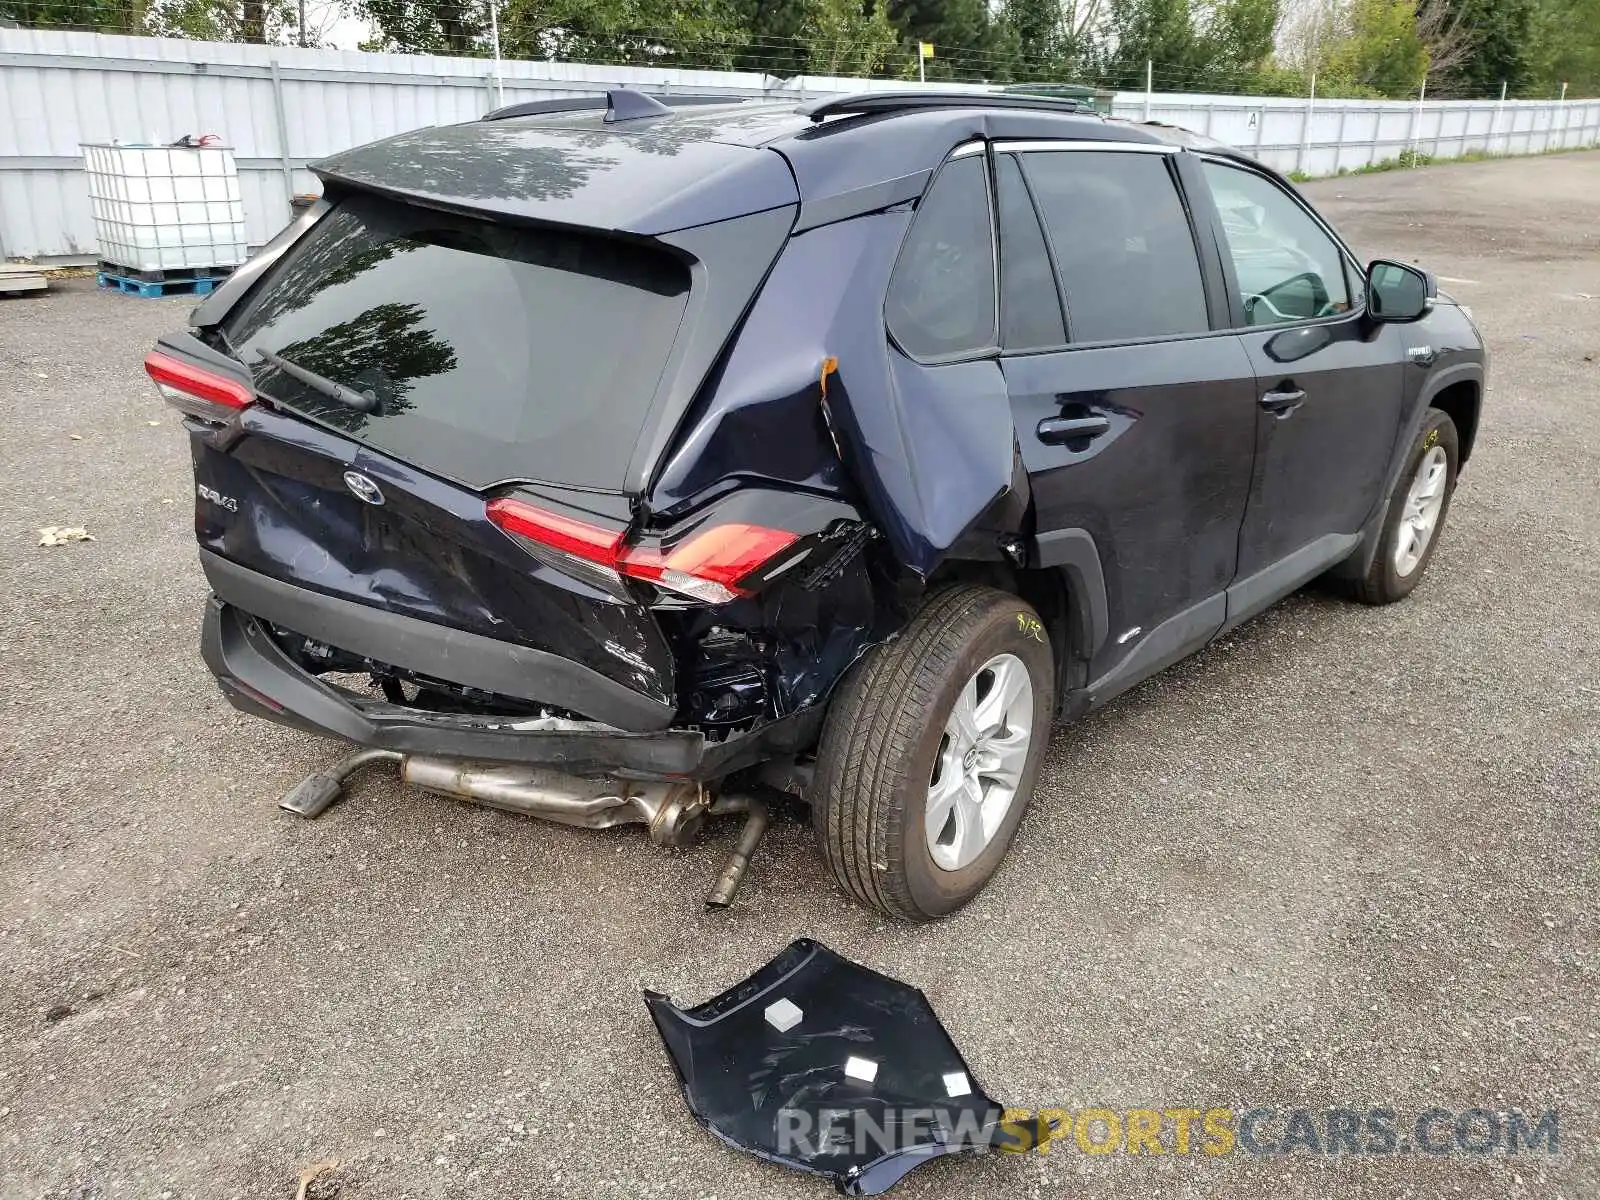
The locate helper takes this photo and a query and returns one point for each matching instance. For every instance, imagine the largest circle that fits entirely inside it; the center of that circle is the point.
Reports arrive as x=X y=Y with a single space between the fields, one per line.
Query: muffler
x=674 y=812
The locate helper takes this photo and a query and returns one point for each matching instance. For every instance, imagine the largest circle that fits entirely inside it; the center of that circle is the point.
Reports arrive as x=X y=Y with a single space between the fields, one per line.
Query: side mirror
x=1397 y=292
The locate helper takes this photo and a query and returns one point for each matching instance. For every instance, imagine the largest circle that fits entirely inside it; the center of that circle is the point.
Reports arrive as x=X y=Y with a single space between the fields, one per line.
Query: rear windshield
x=485 y=352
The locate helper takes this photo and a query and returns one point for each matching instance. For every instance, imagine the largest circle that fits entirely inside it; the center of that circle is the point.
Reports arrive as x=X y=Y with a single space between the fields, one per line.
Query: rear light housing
x=706 y=566
x=204 y=394
x=584 y=551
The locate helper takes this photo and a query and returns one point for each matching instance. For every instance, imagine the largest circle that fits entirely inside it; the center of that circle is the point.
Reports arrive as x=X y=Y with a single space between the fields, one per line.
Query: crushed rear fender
x=822 y=1065
x=929 y=448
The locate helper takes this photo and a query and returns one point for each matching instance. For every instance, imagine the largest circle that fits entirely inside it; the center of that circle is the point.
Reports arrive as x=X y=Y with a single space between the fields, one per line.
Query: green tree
x=1502 y=47
x=1237 y=36
x=1379 y=48
x=1035 y=27
x=968 y=42
x=425 y=26
x=1053 y=41
x=642 y=32
x=767 y=33
x=208 y=20
x=1566 y=47
x=1160 y=32
x=1190 y=44
x=843 y=37
x=102 y=16
x=636 y=32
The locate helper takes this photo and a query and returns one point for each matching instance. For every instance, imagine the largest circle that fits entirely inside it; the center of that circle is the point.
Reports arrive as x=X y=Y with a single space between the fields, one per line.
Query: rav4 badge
x=216 y=497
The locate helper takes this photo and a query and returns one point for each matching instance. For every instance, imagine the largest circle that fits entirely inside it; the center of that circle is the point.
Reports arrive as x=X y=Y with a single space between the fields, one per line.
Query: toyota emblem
x=363 y=488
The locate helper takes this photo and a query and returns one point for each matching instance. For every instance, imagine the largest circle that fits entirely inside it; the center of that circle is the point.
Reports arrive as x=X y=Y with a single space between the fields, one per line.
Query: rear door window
x=1122 y=243
x=1030 y=307
x=941 y=301
x=487 y=352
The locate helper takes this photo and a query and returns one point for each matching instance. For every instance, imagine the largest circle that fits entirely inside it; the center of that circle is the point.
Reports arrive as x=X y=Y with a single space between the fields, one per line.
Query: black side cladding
x=822 y=1065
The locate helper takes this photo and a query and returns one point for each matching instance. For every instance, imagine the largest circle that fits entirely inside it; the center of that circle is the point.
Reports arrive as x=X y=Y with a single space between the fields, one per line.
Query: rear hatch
x=410 y=368
x=484 y=352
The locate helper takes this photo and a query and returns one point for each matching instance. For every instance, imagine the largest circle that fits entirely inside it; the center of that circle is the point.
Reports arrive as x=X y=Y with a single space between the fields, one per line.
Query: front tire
x=930 y=752
x=1417 y=510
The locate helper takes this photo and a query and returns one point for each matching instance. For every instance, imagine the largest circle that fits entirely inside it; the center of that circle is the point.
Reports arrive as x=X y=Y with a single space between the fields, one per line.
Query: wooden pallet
x=190 y=286
x=16 y=278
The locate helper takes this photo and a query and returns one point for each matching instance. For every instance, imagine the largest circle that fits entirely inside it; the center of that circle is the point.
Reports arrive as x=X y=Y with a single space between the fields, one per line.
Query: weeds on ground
x=1408 y=159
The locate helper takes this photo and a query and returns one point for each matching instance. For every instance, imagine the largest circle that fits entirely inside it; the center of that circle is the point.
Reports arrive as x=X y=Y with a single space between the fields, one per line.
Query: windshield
x=485 y=352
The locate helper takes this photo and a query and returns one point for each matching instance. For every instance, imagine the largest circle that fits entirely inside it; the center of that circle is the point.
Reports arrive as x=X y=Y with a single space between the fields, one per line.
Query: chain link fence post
x=283 y=135
x=1416 y=124
x=494 y=36
x=1305 y=126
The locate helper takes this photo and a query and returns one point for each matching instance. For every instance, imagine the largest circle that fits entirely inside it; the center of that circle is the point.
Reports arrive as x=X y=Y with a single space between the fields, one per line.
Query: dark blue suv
x=617 y=462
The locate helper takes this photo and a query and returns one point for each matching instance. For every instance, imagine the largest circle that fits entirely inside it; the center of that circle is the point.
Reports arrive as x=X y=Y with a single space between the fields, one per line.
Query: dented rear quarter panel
x=926 y=450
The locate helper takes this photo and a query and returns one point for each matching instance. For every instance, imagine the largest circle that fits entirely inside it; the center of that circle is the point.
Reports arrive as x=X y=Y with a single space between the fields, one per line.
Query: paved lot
x=1347 y=857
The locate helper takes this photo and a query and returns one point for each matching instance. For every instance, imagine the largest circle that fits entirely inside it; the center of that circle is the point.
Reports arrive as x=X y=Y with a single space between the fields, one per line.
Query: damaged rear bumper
x=259 y=678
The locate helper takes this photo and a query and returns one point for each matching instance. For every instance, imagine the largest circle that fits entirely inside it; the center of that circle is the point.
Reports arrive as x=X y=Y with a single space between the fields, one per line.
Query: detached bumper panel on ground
x=823 y=1065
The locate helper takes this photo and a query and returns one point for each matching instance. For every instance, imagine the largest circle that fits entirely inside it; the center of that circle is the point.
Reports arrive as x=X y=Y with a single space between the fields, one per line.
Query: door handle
x=1282 y=403
x=1055 y=430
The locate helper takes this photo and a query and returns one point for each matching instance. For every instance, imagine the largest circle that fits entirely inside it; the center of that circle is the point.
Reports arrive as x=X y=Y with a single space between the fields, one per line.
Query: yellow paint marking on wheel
x=1030 y=627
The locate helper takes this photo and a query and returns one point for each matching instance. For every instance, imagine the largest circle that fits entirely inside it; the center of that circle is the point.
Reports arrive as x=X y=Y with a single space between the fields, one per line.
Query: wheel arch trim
x=1449 y=377
x=1360 y=562
x=1074 y=553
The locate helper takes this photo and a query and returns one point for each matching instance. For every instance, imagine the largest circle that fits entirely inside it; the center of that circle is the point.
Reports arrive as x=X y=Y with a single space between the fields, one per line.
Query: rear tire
x=895 y=749
x=1415 y=520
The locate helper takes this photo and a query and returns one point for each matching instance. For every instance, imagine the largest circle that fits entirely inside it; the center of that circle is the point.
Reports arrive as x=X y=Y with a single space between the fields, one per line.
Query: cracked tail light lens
x=706 y=567
x=709 y=565
x=586 y=552
x=195 y=391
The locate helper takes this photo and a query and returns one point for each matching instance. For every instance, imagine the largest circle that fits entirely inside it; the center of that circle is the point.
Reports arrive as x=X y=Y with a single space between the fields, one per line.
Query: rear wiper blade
x=366 y=401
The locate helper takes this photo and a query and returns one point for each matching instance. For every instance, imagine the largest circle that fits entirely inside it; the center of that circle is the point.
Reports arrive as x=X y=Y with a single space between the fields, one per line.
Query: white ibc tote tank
x=165 y=208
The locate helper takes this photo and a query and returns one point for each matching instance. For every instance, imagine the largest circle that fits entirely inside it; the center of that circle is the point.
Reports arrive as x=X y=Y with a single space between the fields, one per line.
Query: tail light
x=707 y=566
x=208 y=395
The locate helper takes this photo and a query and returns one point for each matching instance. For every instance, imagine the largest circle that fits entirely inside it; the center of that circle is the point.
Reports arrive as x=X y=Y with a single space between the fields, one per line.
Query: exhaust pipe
x=315 y=794
x=552 y=795
x=755 y=824
x=673 y=812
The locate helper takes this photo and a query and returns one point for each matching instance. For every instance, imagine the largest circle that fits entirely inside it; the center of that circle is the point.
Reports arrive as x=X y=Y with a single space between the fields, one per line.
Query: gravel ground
x=1345 y=857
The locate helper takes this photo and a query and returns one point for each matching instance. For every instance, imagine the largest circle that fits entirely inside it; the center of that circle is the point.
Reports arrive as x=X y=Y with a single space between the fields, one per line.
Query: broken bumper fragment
x=823 y=1065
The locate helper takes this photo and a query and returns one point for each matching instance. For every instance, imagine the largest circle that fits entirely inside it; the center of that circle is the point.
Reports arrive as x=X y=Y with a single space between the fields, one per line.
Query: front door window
x=1288 y=268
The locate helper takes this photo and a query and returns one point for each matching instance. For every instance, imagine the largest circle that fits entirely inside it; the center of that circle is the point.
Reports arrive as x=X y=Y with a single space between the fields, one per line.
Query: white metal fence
x=281 y=107
x=1323 y=137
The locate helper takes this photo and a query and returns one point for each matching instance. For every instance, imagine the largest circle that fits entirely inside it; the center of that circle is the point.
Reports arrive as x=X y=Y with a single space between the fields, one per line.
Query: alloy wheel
x=981 y=759
x=1420 y=518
